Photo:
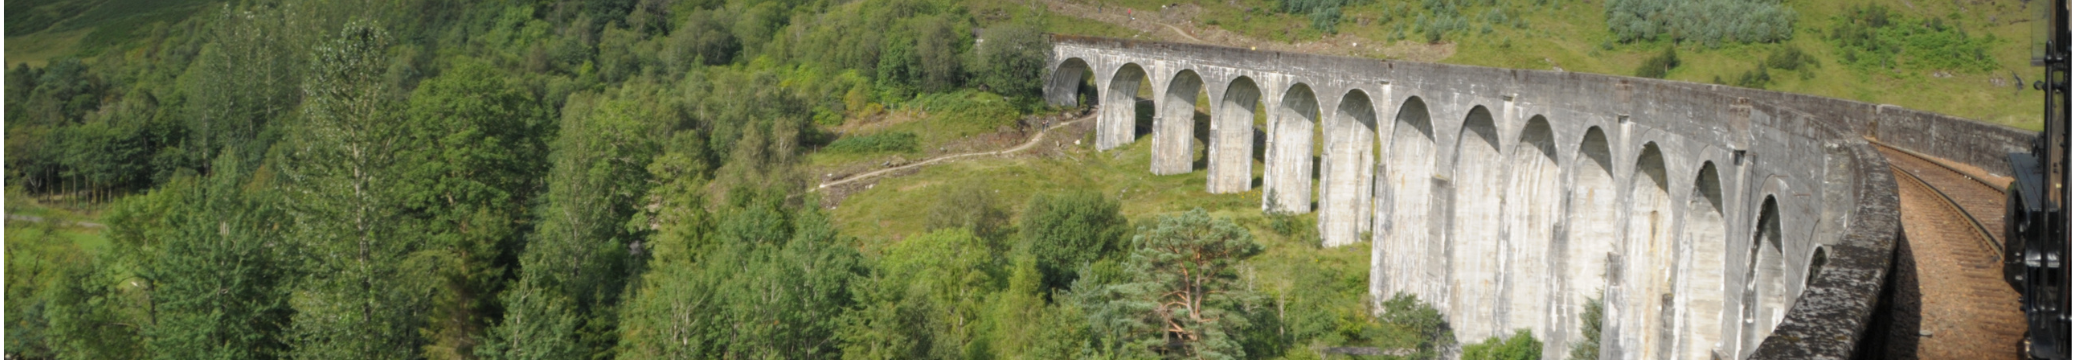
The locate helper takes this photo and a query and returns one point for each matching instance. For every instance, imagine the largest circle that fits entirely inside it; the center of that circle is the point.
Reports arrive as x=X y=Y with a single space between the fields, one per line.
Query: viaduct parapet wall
x=1713 y=221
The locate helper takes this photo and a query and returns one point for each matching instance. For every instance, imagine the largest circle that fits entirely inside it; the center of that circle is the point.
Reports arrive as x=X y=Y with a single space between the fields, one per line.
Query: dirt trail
x=1181 y=21
x=1035 y=139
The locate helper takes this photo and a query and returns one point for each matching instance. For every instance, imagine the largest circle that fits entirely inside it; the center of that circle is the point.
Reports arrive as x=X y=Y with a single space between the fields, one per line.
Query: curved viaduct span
x=1714 y=221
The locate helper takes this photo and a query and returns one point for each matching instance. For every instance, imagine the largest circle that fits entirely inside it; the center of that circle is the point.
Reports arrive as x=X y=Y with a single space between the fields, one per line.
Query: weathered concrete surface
x=1509 y=198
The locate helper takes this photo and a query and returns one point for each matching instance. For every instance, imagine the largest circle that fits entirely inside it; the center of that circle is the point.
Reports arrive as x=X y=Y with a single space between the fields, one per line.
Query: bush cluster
x=1873 y=37
x=1710 y=22
x=1791 y=59
x=1657 y=66
x=1325 y=14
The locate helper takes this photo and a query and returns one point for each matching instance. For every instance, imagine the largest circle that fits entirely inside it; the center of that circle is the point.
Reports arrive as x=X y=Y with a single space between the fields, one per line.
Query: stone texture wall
x=1508 y=198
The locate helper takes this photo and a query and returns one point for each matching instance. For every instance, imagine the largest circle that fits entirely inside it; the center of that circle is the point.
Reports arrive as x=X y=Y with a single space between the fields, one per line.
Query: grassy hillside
x=1543 y=35
x=1574 y=36
x=41 y=30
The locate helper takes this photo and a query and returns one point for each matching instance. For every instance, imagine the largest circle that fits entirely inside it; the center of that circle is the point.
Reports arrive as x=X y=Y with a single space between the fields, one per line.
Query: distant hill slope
x=1528 y=34
x=1967 y=58
x=41 y=30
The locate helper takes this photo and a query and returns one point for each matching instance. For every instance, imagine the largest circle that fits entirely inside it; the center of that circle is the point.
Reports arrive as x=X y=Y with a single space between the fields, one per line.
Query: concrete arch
x=1349 y=161
x=1114 y=125
x=1701 y=272
x=1414 y=259
x=1288 y=184
x=1174 y=124
x=1231 y=153
x=1532 y=210
x=1646 y=261
x=1591 y=228
x=1063 y=88
x=1765 y=290
x=1474 y=244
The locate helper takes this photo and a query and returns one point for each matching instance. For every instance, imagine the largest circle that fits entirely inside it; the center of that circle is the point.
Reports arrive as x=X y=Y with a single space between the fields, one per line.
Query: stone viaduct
x=1713 y=221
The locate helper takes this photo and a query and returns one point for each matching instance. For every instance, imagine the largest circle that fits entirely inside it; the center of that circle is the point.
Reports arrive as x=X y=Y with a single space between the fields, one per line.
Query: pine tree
x=363 y=299
x=1184 y=294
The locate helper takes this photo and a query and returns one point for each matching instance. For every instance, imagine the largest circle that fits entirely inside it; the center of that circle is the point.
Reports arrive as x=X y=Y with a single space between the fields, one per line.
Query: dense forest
x=547 y=179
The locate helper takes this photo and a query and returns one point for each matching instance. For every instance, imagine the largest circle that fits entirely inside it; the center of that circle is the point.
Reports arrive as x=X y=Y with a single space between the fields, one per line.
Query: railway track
x=1979 y=198
x=1951 y=300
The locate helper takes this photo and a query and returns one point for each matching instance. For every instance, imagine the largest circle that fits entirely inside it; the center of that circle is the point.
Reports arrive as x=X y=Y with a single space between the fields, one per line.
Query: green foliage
x=1013 y=55
x=363 y=299
x=1791 y=58
x=974 y=110
x=776 y=285
x=1023 y=325
x=1068 y=231
x=1710 y=22
x=892 y=141
x=1588 y=346
x=1521 y=346
x=703 y=39
x=926 y=299
x=1757 y=78
x=1184 y=298
x=59 y=303
x=427 y=179
x=972 y=206
x=1325 y=14
x=1293 y=225
x=1412 y=324
x=1872 y=37
x=579 y=258
x=479 y=143
x=219 y=276
x=246 y=80
x=1658 y=66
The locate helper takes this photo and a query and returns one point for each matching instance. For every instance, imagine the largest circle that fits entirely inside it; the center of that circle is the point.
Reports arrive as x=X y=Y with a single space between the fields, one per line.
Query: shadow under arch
x=1701 y=281
x=1766 y=284
x=1591 y=232
x=1532 y=210
x=1118 y=121
x=1478 y=183
x=1346 y=165
x=1407 y=258
x=1174 y=125
x=1072 y=84
x=1233 y=146
x=1646 y=265
x=1288 y=186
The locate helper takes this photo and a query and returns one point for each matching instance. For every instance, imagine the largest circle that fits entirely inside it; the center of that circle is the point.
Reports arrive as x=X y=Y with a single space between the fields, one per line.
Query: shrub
x=1324 y=19
x=1871 y=37
x=1412 y=324
x=1657 y=66
x=1588 y=347
x=1013 y=59
x=873 y=143
x=972 y=206
x=1709 y=21
x=1325 y=14
x=972 y=109
x=1791 y=59
x=1066 y=231
x=1521 y=346
x=1756 y=78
